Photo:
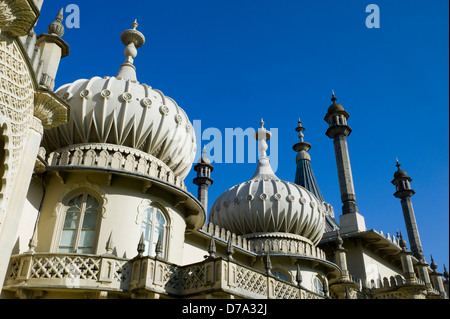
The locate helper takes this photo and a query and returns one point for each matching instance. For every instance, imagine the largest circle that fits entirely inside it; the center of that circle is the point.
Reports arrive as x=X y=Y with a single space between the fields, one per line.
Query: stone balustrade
x=68 y=271
x=114 y=157
x=146 y=275
x=209 y=276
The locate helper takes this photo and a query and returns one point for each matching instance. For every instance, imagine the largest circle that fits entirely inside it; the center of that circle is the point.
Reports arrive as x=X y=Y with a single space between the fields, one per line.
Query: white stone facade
x=96 y=206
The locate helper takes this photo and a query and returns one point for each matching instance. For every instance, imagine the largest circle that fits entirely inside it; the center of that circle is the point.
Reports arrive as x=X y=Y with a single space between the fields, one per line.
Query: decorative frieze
x=290 y=244
x=108 y=156
x=16 y=101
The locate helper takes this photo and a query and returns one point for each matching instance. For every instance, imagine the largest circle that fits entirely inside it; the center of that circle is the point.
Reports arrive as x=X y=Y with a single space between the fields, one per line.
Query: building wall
x=122 y=203
x=21 y=136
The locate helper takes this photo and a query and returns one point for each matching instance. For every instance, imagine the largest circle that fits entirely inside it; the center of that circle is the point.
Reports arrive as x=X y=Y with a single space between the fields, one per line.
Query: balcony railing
x=148 y=274
x=68 y=270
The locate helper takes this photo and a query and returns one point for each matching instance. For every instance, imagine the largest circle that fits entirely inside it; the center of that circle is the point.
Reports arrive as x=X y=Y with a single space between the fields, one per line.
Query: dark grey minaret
x=203 y=179
x=404 y=192
x=338 y=130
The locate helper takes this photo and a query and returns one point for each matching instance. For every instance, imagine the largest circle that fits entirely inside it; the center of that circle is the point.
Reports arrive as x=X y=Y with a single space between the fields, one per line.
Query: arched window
x=153 y=226
x=280 y=274
x=80 y=224
x=318 y=286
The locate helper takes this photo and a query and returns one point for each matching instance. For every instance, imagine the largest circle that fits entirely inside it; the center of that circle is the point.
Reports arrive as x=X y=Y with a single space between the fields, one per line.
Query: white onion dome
x=121 y=111
x=265 y=204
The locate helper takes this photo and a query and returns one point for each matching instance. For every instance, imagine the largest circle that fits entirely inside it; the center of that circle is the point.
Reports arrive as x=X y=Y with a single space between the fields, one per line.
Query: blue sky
x=231 y=63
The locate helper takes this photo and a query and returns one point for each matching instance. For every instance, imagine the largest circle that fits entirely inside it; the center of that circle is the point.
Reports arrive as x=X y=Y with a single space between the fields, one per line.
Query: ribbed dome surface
x=121 y=111
x=125 y=112
x=266 y=204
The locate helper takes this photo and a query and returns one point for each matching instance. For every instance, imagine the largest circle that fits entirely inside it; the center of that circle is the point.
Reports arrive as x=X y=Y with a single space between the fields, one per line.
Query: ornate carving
x=49 y=109
x=17 y=17
x=16 y=103
x=116 y=157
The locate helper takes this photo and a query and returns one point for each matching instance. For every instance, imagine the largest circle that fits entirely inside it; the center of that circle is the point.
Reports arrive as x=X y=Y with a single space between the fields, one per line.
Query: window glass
x=318 y=286
x=79 y=226
x=153 y=226
x=280 y=274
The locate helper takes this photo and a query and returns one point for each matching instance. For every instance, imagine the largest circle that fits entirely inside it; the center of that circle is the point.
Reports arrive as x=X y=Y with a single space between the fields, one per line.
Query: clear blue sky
x=229 y=63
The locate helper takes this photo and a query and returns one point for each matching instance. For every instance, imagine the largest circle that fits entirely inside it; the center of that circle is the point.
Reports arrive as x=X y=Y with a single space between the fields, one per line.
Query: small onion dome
x=399 y=173
x=335 y=107
x=266 y=204
x=203 y=159
x=57 y=27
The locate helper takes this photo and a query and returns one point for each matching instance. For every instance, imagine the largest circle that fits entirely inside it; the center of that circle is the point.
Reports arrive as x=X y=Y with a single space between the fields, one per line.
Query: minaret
x=304 y=175
x=203 y=179
x=404 y=192
x=338 y=130
x=53 y=49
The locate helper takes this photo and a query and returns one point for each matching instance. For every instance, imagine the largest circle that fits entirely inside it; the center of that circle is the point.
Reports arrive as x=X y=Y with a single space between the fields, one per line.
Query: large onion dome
x=267 y=205
x=121 y=111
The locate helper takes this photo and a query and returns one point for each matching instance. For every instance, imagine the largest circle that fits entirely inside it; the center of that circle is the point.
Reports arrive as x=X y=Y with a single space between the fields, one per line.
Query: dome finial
x=135 y=24
x=204 y=151
x=333 y=97
x=262 y=136
x=133 y=39
x=300 y=130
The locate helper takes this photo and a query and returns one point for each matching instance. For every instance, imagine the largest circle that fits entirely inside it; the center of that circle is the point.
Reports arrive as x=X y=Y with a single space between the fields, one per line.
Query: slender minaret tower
x=404 y=192
x=203 y=179
x=304 y=175
x=338 y=130
x=53 y=49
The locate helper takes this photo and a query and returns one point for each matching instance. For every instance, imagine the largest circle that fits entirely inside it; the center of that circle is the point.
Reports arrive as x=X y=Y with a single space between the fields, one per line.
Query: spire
x=141 y=246
x=53 y=49
x=403 y=244
x=304 y=175
x=133 y=40
x=109 y=244
x=299 y=277
x=212 y=247
x=333 y=97
x=33 y=241
x=230 y=248
x=268 y=264
x=158 y=248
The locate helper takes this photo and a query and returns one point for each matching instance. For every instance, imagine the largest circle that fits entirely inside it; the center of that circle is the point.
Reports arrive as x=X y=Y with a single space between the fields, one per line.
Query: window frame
x=156 y=208
x=320 y=281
